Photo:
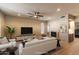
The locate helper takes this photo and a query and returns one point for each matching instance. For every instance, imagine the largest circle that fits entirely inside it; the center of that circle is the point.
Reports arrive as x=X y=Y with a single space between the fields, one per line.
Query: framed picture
x=63 y=28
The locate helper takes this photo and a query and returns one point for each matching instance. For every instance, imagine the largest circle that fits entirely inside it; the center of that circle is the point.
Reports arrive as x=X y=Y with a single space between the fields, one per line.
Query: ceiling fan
x=35 y=15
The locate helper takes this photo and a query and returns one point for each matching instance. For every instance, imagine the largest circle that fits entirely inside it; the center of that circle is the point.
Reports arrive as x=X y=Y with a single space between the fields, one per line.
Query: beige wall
x=46 y=25
x=2 y=24
x=23 y=22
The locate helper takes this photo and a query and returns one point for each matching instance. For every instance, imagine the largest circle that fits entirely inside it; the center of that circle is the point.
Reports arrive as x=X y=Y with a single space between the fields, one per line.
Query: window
x=42 y=28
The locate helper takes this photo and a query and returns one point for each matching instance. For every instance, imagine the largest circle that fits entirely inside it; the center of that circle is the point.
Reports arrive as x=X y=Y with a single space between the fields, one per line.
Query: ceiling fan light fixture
x=35 y=16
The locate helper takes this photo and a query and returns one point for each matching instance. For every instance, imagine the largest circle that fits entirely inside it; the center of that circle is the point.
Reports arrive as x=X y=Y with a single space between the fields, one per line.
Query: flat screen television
x=26 y=30
x=53 y=34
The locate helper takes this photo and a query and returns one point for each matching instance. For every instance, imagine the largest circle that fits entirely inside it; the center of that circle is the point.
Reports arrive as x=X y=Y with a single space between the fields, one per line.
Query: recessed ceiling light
x=58 y=9
x=19 y=14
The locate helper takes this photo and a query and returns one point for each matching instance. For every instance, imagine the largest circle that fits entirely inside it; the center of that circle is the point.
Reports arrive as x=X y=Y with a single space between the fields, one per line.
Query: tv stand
x=24 y=37
x=26 y=34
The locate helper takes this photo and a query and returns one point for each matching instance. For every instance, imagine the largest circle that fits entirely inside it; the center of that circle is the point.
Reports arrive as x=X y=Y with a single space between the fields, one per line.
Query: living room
x=36 y=29
x=23 y=27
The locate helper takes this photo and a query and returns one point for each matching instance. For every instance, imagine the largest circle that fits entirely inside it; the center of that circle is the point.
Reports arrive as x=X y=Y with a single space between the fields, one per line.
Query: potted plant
x=11 y=31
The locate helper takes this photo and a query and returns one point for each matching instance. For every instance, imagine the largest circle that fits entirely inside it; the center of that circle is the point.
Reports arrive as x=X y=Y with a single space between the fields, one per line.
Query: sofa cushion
x=3 y=40
x=12 y=40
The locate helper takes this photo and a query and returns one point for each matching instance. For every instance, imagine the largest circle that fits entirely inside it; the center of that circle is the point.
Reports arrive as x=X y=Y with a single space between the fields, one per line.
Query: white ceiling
x=47 y=9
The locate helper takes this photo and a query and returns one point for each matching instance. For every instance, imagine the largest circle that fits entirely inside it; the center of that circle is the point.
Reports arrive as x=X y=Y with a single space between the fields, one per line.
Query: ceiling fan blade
x=40 y=15
x=35 y=13
x=30 y=16
x=30 y=13
x=38 y=12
